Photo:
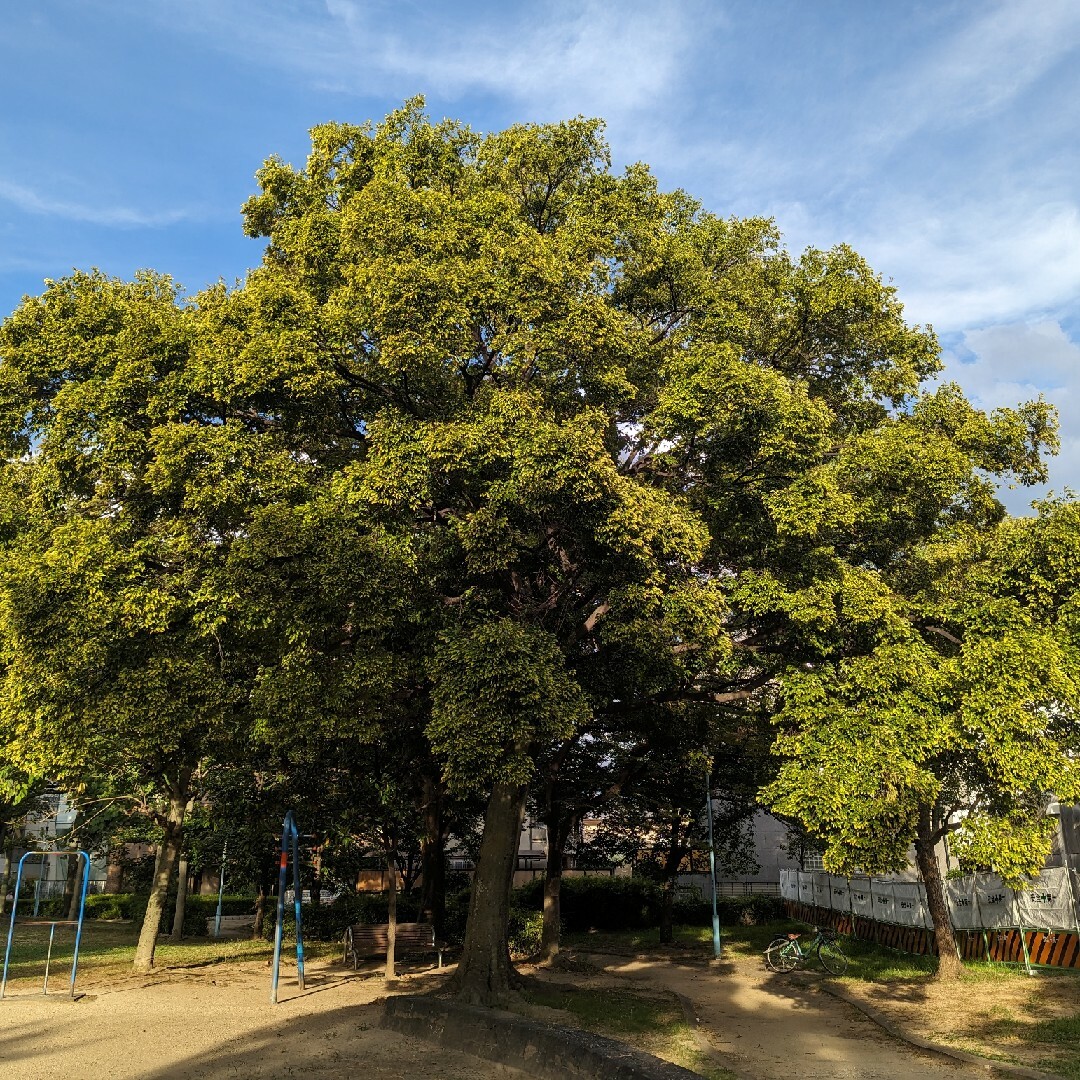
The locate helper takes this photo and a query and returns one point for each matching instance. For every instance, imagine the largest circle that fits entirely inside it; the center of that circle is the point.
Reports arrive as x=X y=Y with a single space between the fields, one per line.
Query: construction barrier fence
x=1037 y=926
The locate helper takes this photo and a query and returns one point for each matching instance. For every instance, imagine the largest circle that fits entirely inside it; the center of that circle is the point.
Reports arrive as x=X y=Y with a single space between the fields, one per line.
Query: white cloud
x=977 y=70
x=124 y=216
x=959 y=266
x=1004 y=365
x=555 y=58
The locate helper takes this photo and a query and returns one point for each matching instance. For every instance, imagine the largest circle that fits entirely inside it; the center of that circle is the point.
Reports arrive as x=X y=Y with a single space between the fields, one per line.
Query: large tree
x=634 y=448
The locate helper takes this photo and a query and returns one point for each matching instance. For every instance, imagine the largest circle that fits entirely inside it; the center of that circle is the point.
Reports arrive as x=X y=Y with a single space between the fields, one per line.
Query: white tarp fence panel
x=960 y=894
x=840 y=892
x=909 y=904
x=884 y=901
x=862 y=897
x=996 y=906
x=806 y=887
x=1048 y=903
x=789 y=884
x=822 y=891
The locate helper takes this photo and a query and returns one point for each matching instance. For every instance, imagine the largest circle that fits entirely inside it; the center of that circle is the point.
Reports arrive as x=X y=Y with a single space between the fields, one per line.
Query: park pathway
x=775 y=1027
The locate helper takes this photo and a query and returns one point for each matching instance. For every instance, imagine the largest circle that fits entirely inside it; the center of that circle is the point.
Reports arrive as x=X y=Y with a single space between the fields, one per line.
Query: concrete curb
x=539 y=1050
x=890 y=1027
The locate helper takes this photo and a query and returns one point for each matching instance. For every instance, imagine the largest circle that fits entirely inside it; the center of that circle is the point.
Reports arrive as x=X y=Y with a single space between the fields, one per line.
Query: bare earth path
x=775 y=1027
x=216 y=1023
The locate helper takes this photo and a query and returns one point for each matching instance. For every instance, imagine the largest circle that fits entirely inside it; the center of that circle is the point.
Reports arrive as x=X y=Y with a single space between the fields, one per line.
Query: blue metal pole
x=279 y=929
x=220 y=891
x=82 y=912
x=712 y=870
x=298 y=896
x=11 y=924
x=290 y=835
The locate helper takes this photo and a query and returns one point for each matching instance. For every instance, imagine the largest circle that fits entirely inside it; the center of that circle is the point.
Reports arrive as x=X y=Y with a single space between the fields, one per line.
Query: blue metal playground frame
x=53 y=923
x=290 y=836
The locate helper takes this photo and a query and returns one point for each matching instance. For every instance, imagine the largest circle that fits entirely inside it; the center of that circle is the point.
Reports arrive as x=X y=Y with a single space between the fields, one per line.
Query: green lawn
x=108 y=951
x=869 y=962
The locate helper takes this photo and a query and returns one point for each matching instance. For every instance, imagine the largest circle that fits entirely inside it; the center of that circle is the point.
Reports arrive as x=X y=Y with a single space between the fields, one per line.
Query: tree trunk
x=316 y=878
x=391 y=912
x=485 y=974
x=181 y=899
x=671 y=870
x=558 y=832
x=433 y=859
x=114 y=870
x=949 y=964
x=163 y=869
x=265 y=871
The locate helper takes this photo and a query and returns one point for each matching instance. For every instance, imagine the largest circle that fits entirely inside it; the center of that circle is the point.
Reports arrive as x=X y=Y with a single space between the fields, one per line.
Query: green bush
x=611 y=903
x=327 y=922
x=599 y=903
x=526 y=933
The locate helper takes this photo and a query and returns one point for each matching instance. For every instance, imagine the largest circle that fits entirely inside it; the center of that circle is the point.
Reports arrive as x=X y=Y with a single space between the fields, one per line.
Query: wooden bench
x=367 y=942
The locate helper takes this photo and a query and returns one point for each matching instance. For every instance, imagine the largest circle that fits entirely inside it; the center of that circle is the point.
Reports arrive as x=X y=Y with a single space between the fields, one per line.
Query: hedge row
x=630 y=903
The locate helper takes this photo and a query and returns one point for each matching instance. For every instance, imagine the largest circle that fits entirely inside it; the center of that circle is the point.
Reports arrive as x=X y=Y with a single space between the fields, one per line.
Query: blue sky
x=940 y=139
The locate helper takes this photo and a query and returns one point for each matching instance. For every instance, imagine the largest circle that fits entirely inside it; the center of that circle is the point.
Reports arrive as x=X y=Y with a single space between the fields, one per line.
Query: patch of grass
x=652 y=1023
x=1064 y=1032
x=108 y=951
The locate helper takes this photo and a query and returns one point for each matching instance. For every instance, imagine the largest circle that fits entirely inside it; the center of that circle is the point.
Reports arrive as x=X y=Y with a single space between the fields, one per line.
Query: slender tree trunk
x=70 y=904
x=949 y=964
x=181 y=898
x=558 y=832
x=433 y=858
x=391 y=912
x=485 y=974
x=671 y=870
x=265 y=871
x=114 y=870
x=163 y=869
x=316 y=878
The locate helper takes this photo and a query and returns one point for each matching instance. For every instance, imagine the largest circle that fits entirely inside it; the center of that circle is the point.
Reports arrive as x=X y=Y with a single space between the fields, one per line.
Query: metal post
x=289 y=834
x=712 y=870
x=82 y=912
x=48 y=958
x=220 y=891
x=79 y=926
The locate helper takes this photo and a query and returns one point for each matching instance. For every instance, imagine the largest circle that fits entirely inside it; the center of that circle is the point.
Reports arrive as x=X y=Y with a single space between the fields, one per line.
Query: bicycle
x=786 y=953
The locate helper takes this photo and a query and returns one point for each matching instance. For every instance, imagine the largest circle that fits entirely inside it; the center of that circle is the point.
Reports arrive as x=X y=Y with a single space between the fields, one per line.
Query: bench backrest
x=372 y=939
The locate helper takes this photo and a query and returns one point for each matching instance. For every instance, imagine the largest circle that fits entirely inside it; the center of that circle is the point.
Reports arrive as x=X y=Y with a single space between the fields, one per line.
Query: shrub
x=327 y=922
x=611 y=903
x=526 y=932
x=599 y=903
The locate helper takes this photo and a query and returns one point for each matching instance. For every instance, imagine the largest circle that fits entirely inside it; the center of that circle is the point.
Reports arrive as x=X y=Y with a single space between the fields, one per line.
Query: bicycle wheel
x=832 y=957
x=782 y=955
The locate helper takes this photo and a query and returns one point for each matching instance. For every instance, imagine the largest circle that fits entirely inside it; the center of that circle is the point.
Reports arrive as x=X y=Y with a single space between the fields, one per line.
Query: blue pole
x=82 y=912
x=298 y=896
x=11 y=924
x=15 y=907
x=289 y=835
x=712 y=871
x=220 y=891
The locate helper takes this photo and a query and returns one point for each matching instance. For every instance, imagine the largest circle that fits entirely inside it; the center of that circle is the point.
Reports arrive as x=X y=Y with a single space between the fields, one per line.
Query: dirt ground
x=764 y=1026
x=995 y=1012
x=216 y=1022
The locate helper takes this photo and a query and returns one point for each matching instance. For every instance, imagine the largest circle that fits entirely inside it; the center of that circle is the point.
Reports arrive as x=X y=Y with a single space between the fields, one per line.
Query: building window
x=812 y=861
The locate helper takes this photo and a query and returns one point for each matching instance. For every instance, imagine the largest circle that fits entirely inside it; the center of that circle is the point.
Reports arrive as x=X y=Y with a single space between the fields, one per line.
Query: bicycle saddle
x=794 y=937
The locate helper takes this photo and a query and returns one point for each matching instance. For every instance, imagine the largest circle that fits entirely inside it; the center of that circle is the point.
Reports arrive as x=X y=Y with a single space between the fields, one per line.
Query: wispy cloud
x=554 y=57
x=1006 y=364
x=33 y=202
x=977 y=69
